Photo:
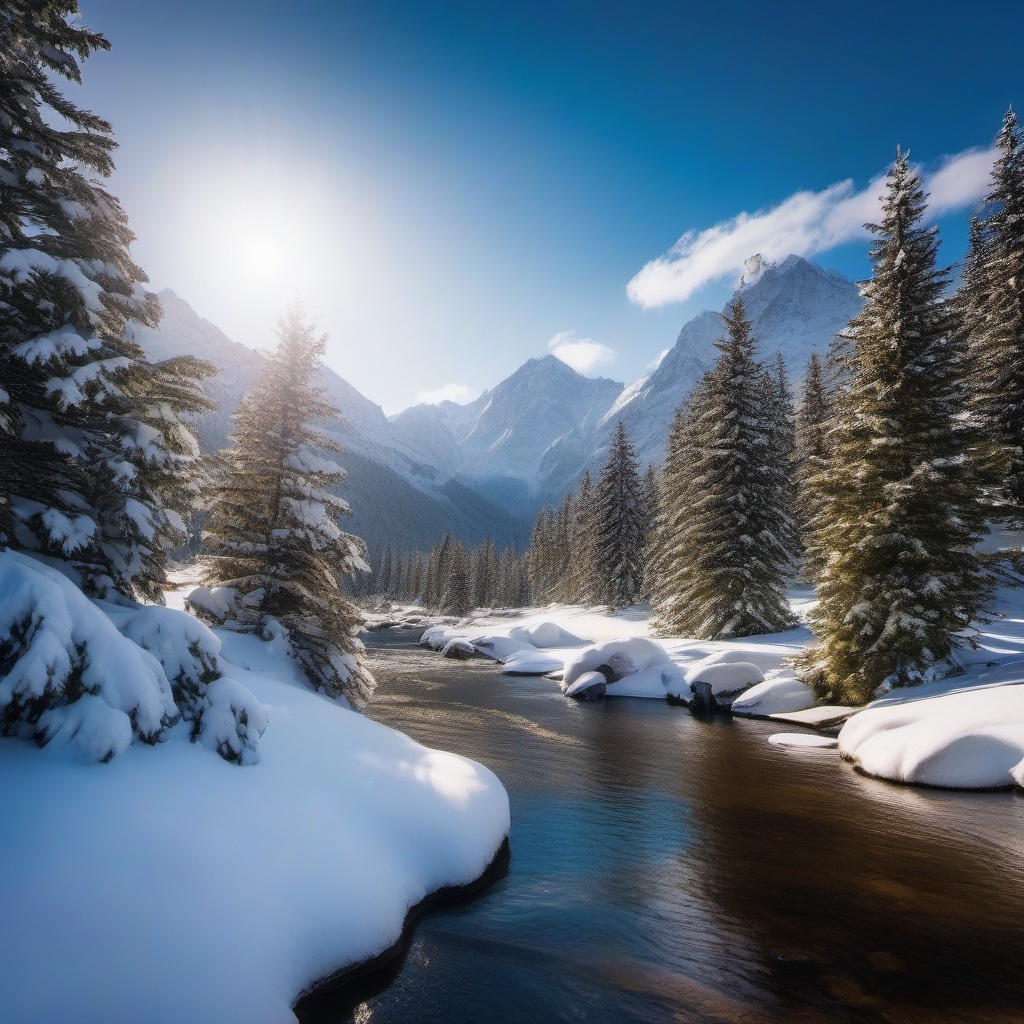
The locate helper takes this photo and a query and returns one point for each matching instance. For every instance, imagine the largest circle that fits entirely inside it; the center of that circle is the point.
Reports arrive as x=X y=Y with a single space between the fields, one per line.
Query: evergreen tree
x=620 y=524
x=811 y=439
x=95 y=455
x=485 y=574
x=457 y=599
x=586 y=584
x=989 y=307
x=782 y=430
x=897 y=511
x=722 y=561
x=273 y=532
x=438 y=567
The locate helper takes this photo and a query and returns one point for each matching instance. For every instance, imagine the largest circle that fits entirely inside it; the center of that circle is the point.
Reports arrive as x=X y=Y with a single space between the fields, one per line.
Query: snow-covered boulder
x=66 y=671
x=726 y=672
x=962 y=738
x=458 y=649
x=638 y=667
x=780 y=695
x=500 y=646
x=588 y=686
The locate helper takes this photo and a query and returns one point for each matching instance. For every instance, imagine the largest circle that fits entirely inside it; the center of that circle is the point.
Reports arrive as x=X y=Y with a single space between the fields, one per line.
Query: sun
x=260 y=255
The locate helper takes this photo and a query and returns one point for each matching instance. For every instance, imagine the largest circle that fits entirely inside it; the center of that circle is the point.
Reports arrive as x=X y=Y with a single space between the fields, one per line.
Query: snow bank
x=962 y=737
x=197 y=891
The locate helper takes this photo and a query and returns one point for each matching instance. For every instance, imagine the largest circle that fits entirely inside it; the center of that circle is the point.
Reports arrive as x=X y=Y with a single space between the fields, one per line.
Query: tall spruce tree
x=273 y=532
x=897 y=510
x=585 y=582
x=811 y=444
x=723 y=555
x=96 y=457
x=989 y=308
x=620 y=524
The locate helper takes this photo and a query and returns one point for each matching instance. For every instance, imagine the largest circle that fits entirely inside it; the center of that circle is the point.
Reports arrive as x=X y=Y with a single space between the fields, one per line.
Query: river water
x=669 y=869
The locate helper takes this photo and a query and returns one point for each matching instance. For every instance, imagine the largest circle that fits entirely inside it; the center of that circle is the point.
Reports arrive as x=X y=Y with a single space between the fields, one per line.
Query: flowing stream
x=669 y=869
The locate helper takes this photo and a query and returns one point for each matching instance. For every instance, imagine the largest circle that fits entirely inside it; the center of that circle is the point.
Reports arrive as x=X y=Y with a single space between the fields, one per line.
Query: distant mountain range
x=485 y=468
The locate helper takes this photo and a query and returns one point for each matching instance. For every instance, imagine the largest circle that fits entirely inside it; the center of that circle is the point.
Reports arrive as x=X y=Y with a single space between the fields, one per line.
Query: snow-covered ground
x=169 y=885
x=965 y=731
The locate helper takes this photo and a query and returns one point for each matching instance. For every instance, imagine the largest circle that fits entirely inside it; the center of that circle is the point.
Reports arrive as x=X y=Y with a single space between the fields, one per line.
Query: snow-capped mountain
x=507 y=442
x=487 y=467
x=527 y=441
x=398 y=499
x=795 y=306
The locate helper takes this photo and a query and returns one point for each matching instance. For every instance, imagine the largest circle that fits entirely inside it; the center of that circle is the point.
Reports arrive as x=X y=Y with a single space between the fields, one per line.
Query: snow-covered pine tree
x=457 y=599
x=438 y=569
x=651 y=489
x=811 y=446
x=96 y=456
x=782 y=427
x=540 y=557
x=989 y=308
x=620 y=524
x=722 y=561
x=485 y=574
x=585 y=583
x=897 y=501
x=273 y=531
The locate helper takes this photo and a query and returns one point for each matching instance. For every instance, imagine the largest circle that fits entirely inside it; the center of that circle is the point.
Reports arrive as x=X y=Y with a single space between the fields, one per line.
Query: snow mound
x=546 y=635
x=65 y=670
x=635 y=667
x=801 y=740
x=458 y=648
x=777 y=696
x=966 y=738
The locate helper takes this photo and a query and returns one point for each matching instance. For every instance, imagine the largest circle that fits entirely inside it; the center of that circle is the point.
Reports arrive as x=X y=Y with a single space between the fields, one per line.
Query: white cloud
x=584 y=355
x=806 y=223
x=656 y=361
x=446 y=393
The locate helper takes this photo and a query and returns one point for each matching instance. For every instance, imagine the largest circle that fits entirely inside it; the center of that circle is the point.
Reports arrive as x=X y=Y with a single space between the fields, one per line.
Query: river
x=665 y=868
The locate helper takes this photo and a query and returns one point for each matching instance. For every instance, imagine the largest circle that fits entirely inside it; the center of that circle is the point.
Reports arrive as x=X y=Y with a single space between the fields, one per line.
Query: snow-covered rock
x=726 y=672
x=782 y=694
x=638 y=666
x=969 y=737
x=457 y=648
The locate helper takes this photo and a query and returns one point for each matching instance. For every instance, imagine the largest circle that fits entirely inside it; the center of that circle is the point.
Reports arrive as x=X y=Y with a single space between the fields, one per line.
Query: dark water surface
x=670 y=869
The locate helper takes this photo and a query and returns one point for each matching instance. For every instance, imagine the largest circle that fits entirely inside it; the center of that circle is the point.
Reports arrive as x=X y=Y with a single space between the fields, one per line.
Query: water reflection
x=665 y=869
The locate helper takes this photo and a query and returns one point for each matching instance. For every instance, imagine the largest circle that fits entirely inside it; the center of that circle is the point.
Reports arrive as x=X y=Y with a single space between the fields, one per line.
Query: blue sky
x=453 y=185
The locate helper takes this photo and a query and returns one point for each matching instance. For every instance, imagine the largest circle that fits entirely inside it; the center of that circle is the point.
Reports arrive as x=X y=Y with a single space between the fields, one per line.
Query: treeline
x=451 y=578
